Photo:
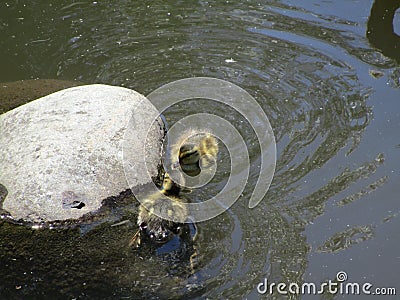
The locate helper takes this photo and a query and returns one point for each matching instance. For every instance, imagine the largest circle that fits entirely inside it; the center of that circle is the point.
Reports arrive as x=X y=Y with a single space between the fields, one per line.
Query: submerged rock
x=61 y=155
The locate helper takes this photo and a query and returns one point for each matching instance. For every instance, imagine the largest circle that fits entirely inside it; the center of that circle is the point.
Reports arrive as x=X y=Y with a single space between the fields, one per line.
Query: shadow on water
x=299 y=67
x=63 y=263
x=380 y=30
x=91 y=259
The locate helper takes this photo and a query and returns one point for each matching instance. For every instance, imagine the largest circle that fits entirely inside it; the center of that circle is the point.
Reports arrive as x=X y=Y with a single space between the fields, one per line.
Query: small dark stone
x=3 y=194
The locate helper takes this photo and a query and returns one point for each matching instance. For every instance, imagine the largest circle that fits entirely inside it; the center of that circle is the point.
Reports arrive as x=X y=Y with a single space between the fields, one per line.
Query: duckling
x=193 y=151
x=152 y=226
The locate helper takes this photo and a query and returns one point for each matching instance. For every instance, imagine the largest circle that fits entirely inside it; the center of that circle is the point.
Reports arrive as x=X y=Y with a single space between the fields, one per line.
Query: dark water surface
x=333 y=100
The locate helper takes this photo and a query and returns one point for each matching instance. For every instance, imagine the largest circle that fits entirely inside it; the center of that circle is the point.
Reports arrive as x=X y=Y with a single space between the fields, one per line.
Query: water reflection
x=299 y=66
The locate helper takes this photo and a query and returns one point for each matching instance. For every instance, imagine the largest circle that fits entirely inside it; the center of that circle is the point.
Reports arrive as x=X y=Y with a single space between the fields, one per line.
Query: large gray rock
x=61 y=155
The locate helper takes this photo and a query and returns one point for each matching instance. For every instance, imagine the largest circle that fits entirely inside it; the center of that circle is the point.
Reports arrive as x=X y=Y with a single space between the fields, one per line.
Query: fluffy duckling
x=194 y=150
x=152 y=226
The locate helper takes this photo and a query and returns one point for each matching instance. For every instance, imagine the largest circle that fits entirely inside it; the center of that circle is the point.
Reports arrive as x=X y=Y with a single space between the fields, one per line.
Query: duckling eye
x=176 y=229
x=143 y=226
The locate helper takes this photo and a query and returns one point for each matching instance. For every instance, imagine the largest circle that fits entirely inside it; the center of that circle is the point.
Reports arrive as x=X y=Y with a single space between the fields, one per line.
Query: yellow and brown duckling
x=154 y=227
x=194 y=150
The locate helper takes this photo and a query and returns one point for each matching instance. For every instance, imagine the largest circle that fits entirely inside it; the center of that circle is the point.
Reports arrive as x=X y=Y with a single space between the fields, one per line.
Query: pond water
x=331 y=93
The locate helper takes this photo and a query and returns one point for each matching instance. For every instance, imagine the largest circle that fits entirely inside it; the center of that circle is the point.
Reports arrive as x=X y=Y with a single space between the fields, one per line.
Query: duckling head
x=169 y=187
x=160 y=232
x=197 y=152
x=189 y=154
x=157 y=229
x=189 y=159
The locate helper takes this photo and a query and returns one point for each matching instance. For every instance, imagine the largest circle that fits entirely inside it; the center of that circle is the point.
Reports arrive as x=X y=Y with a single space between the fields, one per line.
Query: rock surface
x=61 y=155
